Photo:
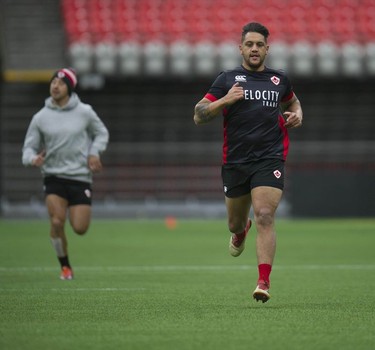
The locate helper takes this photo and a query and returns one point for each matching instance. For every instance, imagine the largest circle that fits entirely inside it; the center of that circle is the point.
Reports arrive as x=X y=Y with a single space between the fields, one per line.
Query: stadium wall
x=157 y=156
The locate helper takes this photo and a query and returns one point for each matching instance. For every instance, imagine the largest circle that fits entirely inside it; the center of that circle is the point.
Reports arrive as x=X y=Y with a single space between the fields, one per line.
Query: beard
x=254 y=65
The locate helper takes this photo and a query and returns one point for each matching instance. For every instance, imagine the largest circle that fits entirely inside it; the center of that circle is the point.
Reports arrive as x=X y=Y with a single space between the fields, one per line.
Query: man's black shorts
x=75 y=192
x=240 y=179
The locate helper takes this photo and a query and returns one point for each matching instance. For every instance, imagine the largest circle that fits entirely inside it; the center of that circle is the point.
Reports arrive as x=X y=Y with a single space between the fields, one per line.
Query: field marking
x=173 y=268
x=76 y=289
x=97 y=289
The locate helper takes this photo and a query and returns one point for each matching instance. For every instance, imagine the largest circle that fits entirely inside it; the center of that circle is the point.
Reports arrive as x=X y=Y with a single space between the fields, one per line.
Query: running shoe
x=237 y=241
x=66 y=273
x=261 y=292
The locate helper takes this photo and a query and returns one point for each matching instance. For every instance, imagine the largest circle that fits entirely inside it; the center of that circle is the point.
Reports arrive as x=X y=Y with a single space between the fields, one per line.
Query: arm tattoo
x=203 y=112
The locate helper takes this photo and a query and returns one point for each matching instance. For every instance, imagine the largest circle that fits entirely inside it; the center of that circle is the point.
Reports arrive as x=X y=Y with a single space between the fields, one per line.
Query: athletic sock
x=64 y=261
x=241 y=234
x=264 y=272
x=57 y=244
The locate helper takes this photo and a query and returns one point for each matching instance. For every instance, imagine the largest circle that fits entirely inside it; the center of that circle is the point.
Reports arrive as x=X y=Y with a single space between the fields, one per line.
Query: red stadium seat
x=219 y=21
x=290 y=20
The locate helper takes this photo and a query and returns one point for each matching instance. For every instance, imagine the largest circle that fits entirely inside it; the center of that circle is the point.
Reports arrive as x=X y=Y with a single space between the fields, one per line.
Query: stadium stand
x=157 y=158
x=157 y=26
x=26 y=44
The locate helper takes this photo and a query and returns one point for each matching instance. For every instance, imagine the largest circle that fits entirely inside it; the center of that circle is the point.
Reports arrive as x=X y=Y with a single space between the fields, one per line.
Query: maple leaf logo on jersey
x=275 y=80
x=277 y=174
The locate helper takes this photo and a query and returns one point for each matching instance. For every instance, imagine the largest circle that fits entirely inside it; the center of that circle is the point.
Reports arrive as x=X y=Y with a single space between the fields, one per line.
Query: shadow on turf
x=294 y=306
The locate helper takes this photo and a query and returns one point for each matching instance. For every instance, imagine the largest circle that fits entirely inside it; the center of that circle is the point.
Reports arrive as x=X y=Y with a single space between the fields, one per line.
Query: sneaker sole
x=261 y=295
x=66 y=274
x=66 y=278
x=237 y=251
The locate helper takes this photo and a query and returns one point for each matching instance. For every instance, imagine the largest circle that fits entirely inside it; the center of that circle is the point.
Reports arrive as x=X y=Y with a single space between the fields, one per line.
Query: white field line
x=173 y=268
x=30 y=290
x=98 y=289
x=163 y=268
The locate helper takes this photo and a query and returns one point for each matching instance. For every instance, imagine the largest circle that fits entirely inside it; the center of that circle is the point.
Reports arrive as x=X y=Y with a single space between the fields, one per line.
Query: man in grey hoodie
x=65 y=140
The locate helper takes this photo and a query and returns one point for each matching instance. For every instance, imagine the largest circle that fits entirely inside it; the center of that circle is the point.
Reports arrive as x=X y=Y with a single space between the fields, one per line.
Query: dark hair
x=255 y=27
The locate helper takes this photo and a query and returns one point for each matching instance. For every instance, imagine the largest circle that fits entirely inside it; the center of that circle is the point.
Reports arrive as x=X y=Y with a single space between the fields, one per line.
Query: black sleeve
x=219 y=88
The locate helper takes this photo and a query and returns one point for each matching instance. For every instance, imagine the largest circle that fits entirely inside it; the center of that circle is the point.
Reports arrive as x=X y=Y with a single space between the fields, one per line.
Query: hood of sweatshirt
x=72 y=103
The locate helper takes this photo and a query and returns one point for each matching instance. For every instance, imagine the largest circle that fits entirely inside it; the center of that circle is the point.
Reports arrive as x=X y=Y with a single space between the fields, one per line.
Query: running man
x=65 y=140
x=258 y=105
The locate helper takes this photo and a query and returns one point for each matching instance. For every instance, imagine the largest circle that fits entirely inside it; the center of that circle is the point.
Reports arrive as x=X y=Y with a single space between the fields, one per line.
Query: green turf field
x=140 y=285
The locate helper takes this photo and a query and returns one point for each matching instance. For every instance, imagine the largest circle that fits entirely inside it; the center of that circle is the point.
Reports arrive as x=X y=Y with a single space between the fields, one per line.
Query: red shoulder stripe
x=288 y=97
x=211 y=97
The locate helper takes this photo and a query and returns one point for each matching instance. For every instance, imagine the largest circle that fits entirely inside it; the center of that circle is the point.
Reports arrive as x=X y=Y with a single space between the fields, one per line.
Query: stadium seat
x=303 y=55
x=352 y=59
x=279 y=55
x=370 y=58
x=155 y=54
x=180 y=58
x=81 y=56
x=105 y=55
x=228 y=55
x=205 y=58
x=327 y=58
x=130 y=55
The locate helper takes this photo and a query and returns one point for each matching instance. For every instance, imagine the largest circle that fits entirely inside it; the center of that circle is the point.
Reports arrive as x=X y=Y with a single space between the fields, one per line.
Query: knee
x=79 y=219
x=57 y=225
x=264 y=217
x=80 y=230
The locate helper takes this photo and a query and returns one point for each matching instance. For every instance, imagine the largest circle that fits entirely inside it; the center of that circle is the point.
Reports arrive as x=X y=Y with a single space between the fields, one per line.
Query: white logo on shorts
x=225 y=189
x=88 y=193
x=277 y=174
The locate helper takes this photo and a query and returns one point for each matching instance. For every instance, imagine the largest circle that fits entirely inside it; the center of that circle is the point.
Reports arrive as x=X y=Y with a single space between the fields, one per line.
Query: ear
x=240 y=48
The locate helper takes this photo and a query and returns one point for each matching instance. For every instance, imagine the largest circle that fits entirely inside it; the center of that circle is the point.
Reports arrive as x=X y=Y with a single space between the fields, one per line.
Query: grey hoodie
x=68 y=135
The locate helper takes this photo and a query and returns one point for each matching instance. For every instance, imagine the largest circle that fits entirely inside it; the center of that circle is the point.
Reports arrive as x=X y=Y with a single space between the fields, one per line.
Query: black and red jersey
x=254 y=126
